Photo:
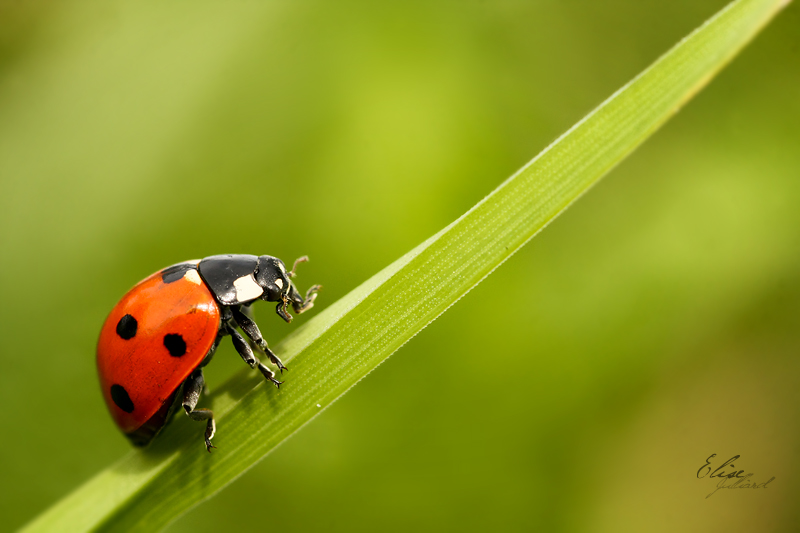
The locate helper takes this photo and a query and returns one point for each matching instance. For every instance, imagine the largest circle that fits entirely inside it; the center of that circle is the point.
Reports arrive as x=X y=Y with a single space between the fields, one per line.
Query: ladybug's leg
x=247 y=354
x=250 y=328
x=192 y=388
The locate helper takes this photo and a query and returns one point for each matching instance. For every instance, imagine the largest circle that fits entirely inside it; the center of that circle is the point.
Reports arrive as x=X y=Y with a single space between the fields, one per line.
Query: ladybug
x=157 y=339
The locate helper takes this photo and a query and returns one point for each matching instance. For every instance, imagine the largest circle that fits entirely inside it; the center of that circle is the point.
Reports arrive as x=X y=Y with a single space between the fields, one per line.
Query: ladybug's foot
x=275 y=360
x=269 y=374
x=272 y=357
x=246 y=352
x=211 y=428
x=280 y=365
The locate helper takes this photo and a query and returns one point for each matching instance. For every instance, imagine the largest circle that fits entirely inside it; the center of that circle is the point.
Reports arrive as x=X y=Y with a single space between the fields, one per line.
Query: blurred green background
x=579 y=388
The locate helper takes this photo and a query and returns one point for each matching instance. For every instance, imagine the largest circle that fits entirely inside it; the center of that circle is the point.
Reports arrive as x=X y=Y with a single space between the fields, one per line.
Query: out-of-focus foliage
x=580 y=388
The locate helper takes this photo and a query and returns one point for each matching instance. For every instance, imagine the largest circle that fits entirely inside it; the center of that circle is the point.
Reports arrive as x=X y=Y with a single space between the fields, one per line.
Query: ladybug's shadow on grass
x=184 y=433
x=236 y=388
x=183 y=436
x=174 y=437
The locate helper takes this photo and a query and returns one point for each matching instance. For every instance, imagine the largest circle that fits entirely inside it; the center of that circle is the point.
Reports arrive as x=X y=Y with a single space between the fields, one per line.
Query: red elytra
x=143 y=365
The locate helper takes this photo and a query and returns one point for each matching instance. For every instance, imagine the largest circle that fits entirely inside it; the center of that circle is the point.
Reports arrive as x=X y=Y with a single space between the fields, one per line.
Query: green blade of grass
x=149 y=488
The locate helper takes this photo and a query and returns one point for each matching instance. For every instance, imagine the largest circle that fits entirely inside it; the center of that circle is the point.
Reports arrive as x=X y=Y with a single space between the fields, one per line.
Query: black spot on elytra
x=126 y=327
x=174 y=273
x=175 y=344
x=121 y=398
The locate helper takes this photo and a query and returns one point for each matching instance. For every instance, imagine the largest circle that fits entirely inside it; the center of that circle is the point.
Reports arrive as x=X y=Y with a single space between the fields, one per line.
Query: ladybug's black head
x=273 y=278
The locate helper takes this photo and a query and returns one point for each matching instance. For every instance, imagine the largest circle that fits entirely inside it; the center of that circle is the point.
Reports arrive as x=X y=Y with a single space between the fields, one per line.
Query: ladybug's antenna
x=297 y=261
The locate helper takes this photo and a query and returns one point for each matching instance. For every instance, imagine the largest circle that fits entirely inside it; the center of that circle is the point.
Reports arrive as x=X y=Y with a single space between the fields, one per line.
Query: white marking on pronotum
x=279 y=283
x=247 y=288
x=193 y=276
